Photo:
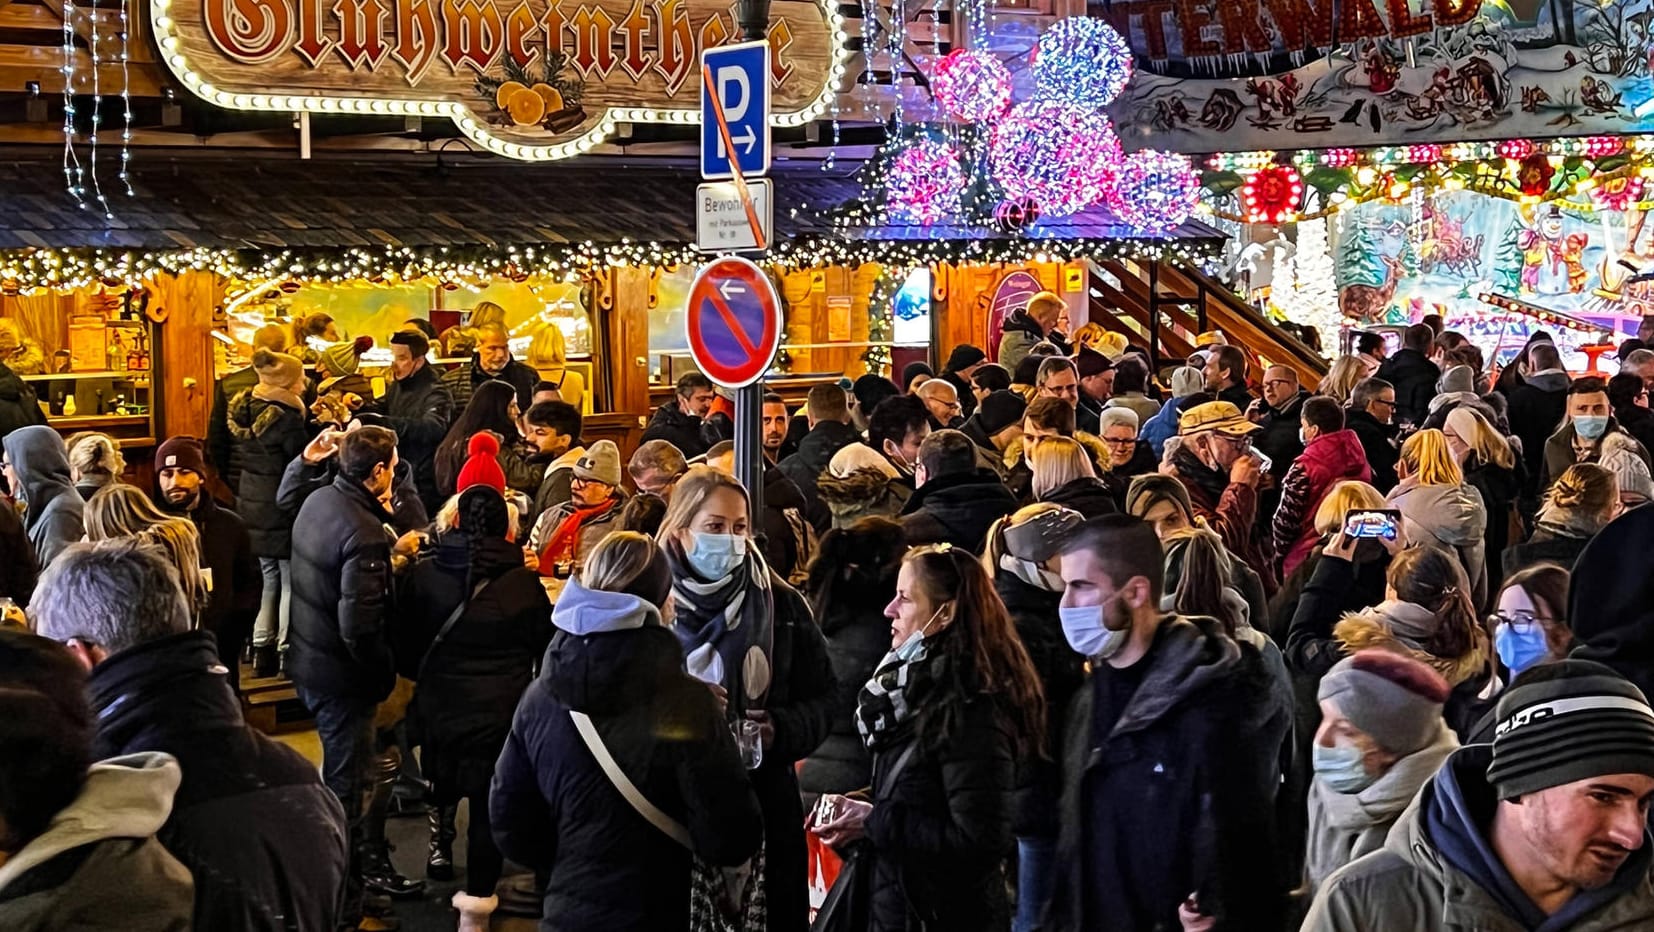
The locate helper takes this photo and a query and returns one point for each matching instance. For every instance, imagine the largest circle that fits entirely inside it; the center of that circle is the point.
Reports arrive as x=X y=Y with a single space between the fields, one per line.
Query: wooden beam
x=21 y=64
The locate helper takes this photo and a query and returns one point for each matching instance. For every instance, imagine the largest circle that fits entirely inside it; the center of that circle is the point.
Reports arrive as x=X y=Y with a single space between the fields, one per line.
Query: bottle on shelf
x=57 y=403
x=101 y=409
x=69 y=406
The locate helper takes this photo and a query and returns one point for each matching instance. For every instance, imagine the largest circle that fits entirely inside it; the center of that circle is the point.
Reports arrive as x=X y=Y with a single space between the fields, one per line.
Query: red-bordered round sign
x=734 y=322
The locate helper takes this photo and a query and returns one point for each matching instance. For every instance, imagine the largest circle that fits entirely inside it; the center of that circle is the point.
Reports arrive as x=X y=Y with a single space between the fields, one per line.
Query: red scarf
x=560 y=545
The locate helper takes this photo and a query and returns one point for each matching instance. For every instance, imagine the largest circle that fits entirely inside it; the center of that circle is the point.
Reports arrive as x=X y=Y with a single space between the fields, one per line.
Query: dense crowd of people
x=1052 y=642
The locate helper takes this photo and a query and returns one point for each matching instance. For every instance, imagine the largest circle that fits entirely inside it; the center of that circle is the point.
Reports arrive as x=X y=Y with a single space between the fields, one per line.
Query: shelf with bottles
x=111 y=396
x=136 y=376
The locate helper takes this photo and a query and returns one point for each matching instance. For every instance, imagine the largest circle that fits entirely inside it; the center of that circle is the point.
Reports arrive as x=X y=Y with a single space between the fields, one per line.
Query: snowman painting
x=1552 y=263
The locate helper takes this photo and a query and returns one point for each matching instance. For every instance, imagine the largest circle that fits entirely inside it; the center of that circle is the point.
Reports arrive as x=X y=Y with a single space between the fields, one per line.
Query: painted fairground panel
x=1497 y=269
x=1229 y=75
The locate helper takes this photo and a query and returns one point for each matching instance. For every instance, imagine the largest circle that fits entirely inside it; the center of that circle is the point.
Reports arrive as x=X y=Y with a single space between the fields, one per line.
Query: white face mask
x=1086 y=630
x=715 y=556
x=910 y=647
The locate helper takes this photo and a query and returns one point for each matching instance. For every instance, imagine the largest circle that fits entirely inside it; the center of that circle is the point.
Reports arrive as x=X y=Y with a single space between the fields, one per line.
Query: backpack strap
x=594 y=743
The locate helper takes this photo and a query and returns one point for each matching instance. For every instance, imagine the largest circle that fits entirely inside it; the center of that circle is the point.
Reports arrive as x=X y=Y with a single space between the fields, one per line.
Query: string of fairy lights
x=77 y=175
x=32 y=271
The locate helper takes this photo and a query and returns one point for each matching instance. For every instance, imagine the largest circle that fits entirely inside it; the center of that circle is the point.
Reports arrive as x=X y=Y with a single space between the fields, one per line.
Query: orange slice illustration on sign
x=549 y=94
x=502 y=97
x=526 y=107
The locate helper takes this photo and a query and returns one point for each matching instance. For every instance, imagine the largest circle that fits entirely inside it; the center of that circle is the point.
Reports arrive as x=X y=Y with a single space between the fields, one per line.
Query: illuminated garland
x=1420 y=154
x=28 y=271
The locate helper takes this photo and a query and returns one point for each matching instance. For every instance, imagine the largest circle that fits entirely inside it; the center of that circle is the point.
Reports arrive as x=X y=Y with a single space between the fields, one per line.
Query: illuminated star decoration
x=1083 y=61
x=1060 y=155
x=1154 y=191
x=924 y=182
x=972 y=85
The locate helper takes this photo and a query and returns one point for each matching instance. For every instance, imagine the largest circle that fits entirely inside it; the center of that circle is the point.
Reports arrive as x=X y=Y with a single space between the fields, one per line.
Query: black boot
x=378 y=874
x=266 y=662
x=439 y=859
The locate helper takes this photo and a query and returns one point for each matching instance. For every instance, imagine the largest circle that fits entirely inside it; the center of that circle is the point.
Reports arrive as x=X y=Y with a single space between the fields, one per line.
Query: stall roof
x=260 y=202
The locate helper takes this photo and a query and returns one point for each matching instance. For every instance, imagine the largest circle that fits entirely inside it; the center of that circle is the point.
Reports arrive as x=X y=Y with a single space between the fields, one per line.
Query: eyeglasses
x=1519 y=621
x=1128 y=442
x=1380 y=401
x=1278 y=382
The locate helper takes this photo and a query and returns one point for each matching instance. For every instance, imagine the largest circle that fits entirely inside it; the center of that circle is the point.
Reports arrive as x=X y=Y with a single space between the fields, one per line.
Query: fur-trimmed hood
x=1092 y=443
x=1376 y=627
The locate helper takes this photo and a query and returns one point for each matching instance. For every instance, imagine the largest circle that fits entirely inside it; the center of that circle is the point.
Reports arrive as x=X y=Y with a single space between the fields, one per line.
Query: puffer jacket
x=98 y=865
x=555 y=810
x=858 y=637
x=939 y=830
x=1346 y=826
x=957 y=510
x=283 y=867
x=1326 y=461
x=863 y=493
x=682 y=430
x=809 y=464
x=1018 y=334
x=1034 y=612
x=1436 y=868
x=1451 y=516
x=266 y=435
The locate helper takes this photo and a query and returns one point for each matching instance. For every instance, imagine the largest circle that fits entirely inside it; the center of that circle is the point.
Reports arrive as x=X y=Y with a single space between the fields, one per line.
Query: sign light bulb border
x=473 y=128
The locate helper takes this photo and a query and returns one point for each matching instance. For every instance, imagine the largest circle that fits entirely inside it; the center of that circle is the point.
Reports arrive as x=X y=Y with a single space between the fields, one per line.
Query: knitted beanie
x=1186 y=380
x=964 y=356
x=277 y=370
x=1628 y=468
x=481 y=466
x=181 y=453
x=1567 y=721
x=1457 y=379
x=345 y=358
x=1089 y=362
x=1395 y=699
x=1000 y=410
x=601 y=463
x=1148 y=489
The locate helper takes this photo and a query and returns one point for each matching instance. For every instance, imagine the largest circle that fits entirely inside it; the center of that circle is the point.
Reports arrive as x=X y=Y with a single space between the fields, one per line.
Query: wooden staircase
x=1164 y=306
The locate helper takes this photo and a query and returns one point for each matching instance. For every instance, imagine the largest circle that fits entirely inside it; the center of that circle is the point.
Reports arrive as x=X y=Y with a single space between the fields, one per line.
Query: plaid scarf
x=884 y=708
x=726 y=626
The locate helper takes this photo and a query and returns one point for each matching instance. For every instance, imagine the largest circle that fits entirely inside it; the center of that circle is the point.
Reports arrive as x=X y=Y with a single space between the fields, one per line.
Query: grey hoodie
x=118 y=877
x=585 y=611
x=54 y=518
x=1452 y=516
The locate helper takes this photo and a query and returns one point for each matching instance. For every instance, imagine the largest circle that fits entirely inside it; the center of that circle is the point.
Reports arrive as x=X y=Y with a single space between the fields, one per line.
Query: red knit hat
x=481 y=467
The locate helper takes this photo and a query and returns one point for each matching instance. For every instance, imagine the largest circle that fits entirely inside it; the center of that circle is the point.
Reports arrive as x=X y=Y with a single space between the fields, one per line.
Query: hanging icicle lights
x=73 y=174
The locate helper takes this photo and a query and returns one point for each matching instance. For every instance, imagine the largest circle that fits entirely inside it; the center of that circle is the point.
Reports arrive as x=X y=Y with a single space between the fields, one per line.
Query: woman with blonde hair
x=95 y=461
x=121 y=510
x=1578 y=504
x=750 y=636
x=1341 y=379
x=549 y=357
x=1063 y=474
x=1437 y=505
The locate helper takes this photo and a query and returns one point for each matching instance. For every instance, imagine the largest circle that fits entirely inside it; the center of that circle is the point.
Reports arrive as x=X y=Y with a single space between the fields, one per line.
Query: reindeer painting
x=1366 y=303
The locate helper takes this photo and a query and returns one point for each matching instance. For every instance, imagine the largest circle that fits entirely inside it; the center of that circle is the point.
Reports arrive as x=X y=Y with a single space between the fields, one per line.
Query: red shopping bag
x=823 y=867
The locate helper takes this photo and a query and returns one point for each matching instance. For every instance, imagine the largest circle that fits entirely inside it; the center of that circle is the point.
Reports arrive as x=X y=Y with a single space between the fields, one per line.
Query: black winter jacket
x=19 y=570
x=681 y=430
x=265 y=839
x=1500 y=488
x=19 y=406
x=301 y=479
x=341 y=594
x=1378 y=441
x=238 y=583
x=1414 y=377
x=472 y=680
x=420 y=410
x=957 y=510
x=1180 y=791
x=781 y=550
x=553 y=808
x=858 y=637
x=266 y=437
x=221 y=441
x=939 y=831
x=1088 y=496
x=1537 y=406
x=1061 y=671
x=809 y=464
x=1278 y=438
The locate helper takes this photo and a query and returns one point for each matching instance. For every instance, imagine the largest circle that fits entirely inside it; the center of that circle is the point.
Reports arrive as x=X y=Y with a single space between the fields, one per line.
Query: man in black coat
x=492 y=361
x=1277 y=416
x=252 y=821
x=1372 y=416
x=1225 y=373
x=955 y=501
x=340 y=659
x=221 y=445
x=679 y=420
x=226 y=548
x=1170 y=756
x=419 y=409
x=828 y=409
x=1537 y=407
x=1412 y=373
x=962 y=364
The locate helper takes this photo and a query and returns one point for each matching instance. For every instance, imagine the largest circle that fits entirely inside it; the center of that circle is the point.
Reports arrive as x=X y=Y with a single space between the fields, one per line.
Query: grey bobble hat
x=1395 y=699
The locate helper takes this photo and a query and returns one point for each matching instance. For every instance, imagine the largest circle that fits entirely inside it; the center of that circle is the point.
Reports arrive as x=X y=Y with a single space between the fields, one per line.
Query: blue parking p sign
x=740 y=77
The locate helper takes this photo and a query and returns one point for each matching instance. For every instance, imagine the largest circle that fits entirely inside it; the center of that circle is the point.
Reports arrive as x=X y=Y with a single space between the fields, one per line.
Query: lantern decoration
x=1059 y=154
x=1015 y=214
x=924 y=182
x=1534 y=174
x=1155 y=191
x=972 y=85
x=1083 y=61
x=1272 y=193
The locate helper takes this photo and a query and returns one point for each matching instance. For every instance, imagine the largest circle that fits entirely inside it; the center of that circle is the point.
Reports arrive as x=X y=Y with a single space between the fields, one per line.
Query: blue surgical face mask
x=1520 y=647
x=1341 y=768
x=1591 y=426
x=1086 y=631
x=714 y=556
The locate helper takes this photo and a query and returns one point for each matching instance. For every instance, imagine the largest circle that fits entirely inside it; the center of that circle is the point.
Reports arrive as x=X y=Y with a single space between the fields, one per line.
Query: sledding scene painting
x=1282 y=74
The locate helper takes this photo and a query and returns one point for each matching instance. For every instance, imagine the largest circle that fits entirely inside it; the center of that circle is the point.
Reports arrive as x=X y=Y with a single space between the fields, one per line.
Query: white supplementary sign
x=721 y=223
